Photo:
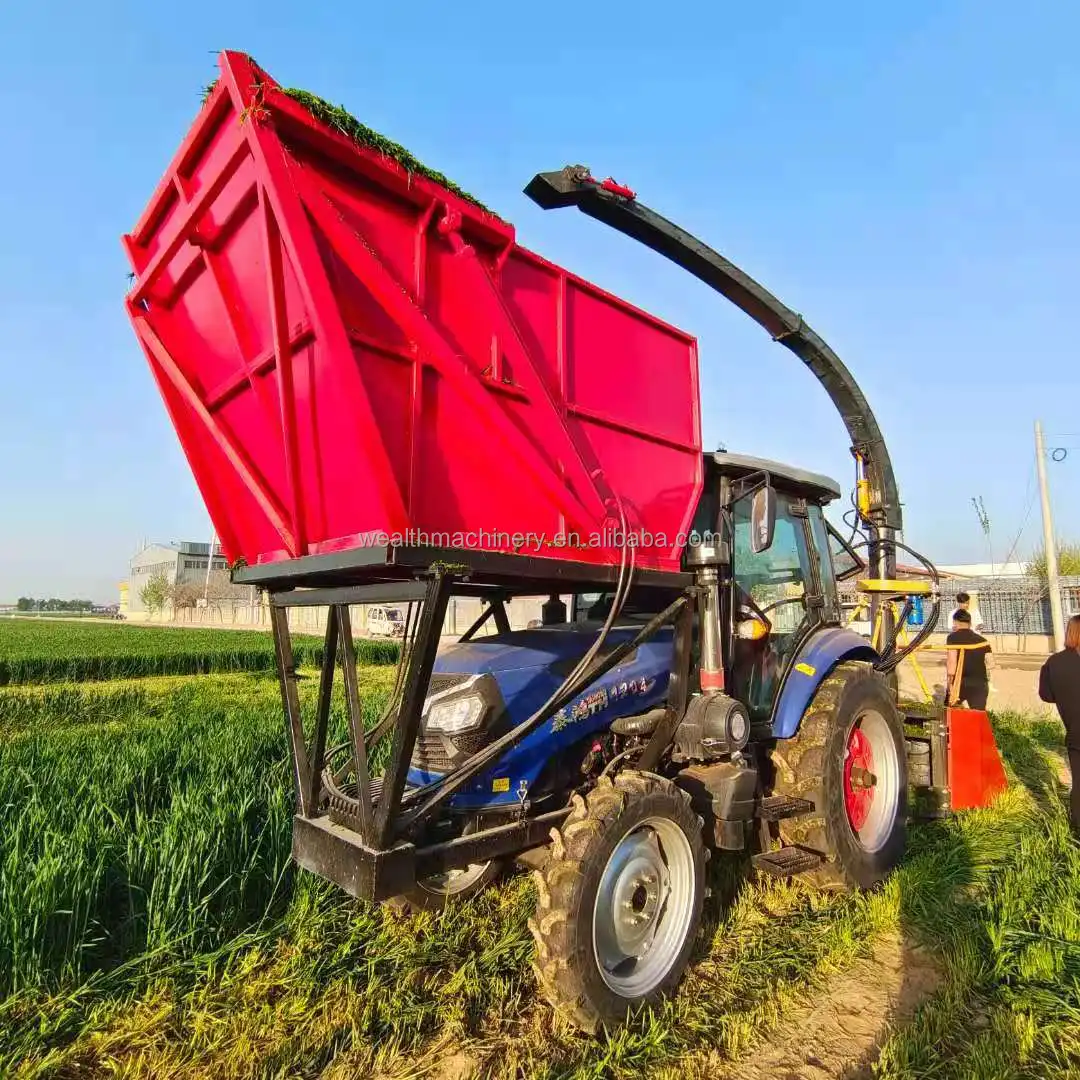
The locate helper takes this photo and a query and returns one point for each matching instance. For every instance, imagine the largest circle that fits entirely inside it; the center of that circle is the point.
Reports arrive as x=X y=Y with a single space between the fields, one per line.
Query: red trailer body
x=352 y=354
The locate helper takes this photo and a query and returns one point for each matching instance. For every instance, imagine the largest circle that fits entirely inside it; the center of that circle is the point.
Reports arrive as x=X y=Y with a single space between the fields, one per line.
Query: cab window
x=774 y=579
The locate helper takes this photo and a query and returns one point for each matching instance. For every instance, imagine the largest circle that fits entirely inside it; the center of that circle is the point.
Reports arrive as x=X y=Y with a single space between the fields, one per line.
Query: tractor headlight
x=454 y=715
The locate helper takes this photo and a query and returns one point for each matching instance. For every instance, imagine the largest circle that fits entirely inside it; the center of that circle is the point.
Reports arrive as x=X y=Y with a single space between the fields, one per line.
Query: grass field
x=37 y=651
x=151 y=924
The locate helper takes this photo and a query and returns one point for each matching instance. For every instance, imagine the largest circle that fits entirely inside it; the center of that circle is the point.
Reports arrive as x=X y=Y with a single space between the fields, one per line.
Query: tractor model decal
x=599 y=699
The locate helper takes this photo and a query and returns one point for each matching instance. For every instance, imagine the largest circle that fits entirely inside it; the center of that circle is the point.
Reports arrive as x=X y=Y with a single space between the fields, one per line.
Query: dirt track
x=1015 y=681
x=837 y=1034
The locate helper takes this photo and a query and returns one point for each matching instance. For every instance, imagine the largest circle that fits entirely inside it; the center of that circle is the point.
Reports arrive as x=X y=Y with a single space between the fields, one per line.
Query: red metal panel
x=976 y=775
x=344 y=348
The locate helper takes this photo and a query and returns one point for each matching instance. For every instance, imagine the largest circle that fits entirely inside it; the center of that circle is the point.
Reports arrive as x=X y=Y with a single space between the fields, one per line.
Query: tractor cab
x=783 y=570
x=763 y=524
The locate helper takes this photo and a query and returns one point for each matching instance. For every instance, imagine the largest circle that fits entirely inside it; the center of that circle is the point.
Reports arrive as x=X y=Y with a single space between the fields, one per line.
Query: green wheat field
x=151 y=924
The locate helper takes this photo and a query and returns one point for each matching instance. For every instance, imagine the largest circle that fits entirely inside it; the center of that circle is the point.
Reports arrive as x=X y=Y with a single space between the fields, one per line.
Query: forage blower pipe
x=618 y=206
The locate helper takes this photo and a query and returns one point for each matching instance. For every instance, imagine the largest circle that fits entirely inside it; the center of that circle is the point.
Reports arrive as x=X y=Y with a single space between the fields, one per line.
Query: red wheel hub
x=859 y=779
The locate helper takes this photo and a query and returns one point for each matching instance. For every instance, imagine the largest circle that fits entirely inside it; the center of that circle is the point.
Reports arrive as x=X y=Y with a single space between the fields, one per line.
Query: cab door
x=781 y=583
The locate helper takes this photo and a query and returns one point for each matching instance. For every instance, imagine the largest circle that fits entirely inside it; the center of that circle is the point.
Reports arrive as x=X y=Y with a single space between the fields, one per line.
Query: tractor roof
x=813 y=486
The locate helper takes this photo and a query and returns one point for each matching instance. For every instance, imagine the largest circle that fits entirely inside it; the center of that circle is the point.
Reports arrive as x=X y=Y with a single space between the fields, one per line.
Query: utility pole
x=1049 y=543
x=209 y=566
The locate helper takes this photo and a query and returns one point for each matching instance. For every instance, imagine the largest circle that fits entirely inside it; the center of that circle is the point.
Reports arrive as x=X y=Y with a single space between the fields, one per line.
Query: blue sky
x=906 y=176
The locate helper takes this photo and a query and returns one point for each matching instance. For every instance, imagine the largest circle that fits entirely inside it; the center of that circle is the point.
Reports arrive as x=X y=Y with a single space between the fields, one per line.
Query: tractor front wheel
x=451 y=887
x=620 y=900
x=849 y=759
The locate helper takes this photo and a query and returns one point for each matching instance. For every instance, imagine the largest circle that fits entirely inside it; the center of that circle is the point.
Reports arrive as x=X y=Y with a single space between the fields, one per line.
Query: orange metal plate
x=976 y=774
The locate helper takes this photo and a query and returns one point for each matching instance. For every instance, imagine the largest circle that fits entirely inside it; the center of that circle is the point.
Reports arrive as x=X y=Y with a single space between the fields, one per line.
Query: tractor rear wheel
x=620 y=900
x=849 y=759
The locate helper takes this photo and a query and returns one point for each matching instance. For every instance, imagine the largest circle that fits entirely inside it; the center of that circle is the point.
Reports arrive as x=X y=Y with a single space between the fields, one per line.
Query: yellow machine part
x=887 y=585
x=862 y=495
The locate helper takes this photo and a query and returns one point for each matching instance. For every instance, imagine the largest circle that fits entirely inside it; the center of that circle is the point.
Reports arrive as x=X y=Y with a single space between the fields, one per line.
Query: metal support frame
x=495 y=607
x=421 y=661
x=339 y=647
x=377 y=848
x=290 y=703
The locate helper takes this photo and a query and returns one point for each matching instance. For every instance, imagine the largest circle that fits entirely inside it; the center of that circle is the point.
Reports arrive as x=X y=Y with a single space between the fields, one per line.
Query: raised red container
x=347 y=349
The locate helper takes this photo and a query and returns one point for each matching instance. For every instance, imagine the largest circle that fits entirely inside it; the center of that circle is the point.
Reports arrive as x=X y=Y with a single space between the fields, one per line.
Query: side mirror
x=762 y=519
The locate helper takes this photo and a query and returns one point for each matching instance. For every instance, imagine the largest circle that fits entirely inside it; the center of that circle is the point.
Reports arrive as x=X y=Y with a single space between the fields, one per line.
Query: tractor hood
x=541 y=648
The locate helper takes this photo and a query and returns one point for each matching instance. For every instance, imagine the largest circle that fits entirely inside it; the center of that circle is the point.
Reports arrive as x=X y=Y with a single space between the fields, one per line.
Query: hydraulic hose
x=890 y=658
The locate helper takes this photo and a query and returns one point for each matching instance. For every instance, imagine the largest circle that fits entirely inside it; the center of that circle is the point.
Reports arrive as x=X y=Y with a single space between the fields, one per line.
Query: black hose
x=889 y=658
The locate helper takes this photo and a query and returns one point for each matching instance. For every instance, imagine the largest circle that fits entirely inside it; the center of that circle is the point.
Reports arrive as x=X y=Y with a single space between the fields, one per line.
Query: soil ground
x=1015 y=681
x=837 y=1034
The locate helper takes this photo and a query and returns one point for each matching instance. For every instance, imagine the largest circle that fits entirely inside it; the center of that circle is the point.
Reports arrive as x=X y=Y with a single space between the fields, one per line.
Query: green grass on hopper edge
x=339 y=119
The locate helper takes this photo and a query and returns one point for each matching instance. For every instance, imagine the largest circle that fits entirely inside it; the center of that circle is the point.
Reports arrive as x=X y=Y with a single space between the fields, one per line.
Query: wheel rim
x=453 y=882
x=871 y=780
x=460 y=879
x=644 y=907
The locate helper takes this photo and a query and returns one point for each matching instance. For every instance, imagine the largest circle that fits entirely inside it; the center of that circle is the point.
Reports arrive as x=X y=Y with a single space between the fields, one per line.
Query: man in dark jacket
x=968 y=663
x=1059 y=684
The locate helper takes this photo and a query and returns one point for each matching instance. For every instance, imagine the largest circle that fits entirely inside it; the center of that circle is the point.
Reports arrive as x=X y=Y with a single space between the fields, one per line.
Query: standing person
x=1059 y=684
x=967 y=668
x=963 y=603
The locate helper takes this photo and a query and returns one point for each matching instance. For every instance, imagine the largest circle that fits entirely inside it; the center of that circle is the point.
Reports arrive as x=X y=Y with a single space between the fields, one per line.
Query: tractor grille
x=440 y=681
x=430 y=753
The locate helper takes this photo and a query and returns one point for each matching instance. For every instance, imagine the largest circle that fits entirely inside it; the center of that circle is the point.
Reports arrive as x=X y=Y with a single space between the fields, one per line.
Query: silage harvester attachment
x=386 y=400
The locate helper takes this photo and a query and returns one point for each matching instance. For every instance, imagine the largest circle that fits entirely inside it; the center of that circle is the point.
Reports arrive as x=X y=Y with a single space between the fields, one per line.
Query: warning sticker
x=501 y=783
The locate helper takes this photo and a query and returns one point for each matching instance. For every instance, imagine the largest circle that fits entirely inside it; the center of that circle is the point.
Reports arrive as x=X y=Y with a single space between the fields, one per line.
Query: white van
x=385 y=622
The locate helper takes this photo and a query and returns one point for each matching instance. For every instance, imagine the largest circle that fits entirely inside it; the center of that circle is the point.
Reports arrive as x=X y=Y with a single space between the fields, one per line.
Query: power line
x=1030 y=496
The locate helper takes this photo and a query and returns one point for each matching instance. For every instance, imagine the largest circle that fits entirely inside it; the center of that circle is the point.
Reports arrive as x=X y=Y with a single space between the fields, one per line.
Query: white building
x=984 y=570
x=181 y=563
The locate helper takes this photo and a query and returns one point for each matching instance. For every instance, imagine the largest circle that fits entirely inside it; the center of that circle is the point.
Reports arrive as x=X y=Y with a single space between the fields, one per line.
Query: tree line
x=28 y=603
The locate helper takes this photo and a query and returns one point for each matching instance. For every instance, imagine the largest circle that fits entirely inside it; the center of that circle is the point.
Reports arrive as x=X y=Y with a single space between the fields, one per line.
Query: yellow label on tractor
x=501 y=783
x=806 y=669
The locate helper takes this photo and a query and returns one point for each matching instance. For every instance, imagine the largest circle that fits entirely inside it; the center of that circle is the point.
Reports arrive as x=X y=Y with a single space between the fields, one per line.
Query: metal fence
x=1008 y=605
x=240 y=614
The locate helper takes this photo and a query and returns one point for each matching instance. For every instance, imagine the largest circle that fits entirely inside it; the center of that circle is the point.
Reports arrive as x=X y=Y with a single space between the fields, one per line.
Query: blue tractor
x=650 y=721
x=799 y=754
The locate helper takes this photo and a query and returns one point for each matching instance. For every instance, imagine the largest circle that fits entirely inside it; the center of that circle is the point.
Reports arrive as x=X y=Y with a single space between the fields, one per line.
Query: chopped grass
x=339 y=119
x=45 y=651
